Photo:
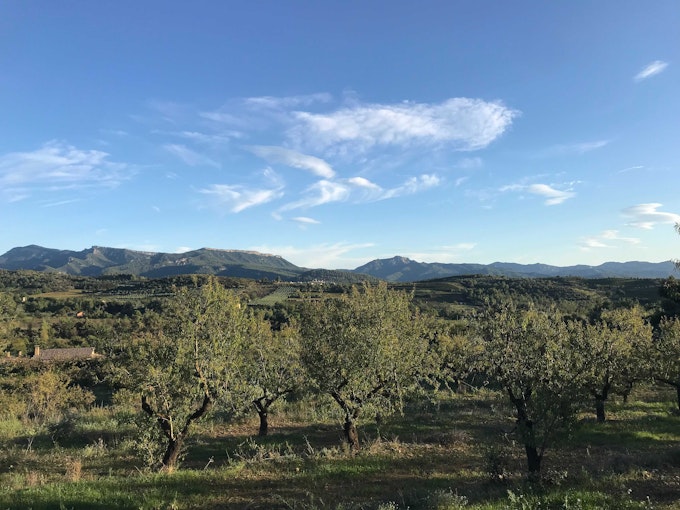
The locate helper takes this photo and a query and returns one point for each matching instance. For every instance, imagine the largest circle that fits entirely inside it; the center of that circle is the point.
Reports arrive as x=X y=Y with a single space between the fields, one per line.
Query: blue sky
x=334 y=132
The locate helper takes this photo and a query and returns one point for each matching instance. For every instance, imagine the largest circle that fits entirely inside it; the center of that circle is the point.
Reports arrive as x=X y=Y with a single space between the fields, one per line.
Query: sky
x=333 y=133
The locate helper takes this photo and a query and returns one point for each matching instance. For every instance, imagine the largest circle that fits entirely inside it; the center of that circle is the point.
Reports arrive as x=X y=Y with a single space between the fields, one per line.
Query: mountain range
x=98 y=260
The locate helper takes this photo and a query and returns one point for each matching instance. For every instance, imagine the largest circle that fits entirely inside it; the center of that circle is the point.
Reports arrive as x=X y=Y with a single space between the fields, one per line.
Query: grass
x=441 y=455
x=279 y=295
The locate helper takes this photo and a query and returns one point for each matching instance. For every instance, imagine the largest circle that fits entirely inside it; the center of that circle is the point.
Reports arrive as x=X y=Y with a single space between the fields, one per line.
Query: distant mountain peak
x=100 y=260
x=403 y=269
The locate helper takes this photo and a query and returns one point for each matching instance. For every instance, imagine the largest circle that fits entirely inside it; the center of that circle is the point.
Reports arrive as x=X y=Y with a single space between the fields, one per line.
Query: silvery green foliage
x=617 y=348
x=366 y=349
x=190 y=361
x=528 y=353
x=666 y=360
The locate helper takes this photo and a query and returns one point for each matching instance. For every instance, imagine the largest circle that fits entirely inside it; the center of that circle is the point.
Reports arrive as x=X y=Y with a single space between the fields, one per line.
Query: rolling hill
x=98 y=261
x=401 y=269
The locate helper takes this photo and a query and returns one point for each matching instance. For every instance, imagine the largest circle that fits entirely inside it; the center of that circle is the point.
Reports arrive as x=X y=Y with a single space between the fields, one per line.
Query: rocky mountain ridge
x=99 y=260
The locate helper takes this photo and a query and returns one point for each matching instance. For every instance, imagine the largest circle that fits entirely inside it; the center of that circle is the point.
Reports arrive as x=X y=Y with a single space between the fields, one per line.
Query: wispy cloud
x=553 y=196
x=273 y=154
x=606 y=239
x=319 y=193
x=58 y=166
x=189 y=156
x=312 y=133
x=219 y=138
x=460 y=123
x=651 y=69
x=444 y=254
x=362 y=182
x=329 y=256
x=572 y=148
x=304 y=220
x=281 y=103
x=359 y=190
x=412 y=185
x=236 y=198
x=647 y=216
x=469 y=163
x=631 y=169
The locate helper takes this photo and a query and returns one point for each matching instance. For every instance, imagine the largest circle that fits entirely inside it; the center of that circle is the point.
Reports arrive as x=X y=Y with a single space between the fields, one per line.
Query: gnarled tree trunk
x=599 y=409
x=351 y=434
x=600 y=399
x=175 y=439
x=172 y=453
x=525 y=427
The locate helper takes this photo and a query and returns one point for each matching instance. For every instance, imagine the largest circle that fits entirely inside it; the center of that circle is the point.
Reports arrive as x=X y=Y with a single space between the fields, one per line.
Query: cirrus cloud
x=647 y=216
x=651 y=69
x=553 y=196
x=463 y=124
x=58 y=166
x=273 y=154
x=189 y=156
x=605 y=240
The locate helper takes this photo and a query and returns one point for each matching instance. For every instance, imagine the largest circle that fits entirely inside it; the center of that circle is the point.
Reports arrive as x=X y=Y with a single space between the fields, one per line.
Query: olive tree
x=273 y=366
x=190 y=360
x=455 y=353
x=8 y=311
x=527 y=353
x=666 y=354
x=365 y=349
x=617 y=347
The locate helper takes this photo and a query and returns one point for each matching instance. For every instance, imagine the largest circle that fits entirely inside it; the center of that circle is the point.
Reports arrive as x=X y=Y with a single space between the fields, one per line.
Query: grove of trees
x=369 y=350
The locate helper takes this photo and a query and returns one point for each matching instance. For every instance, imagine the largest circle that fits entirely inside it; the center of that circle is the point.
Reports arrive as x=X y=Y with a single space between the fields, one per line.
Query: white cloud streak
x=281 y=103
x=605 y=240
x=647 y=216
x=359 y=190
x=189 y=156
x=304 y=220
x=319 y=193
x=294 y=159
x=444 y=254
x=461 y=123
x=572 y=148
x=237 y=198
x=58 y=166
x=553 y=196
x=412 y=185
x=329 y=256
x=651 y=69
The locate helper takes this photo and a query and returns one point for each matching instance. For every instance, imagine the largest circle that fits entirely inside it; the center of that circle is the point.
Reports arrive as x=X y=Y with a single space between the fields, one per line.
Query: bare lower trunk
x=175 y=439
x=172 y=453
x=599 y=410
x=351 y=435
x=525 y=428
x=351 y=415
x=264 y=422
x=600 y=399
x=533 y=461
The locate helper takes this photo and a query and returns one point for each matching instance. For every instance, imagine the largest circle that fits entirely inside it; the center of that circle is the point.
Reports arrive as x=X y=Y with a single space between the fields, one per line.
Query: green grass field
x=457 y=452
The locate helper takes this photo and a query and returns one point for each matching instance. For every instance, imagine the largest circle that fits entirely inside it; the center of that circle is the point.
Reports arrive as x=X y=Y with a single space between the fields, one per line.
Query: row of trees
x=369 y=350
